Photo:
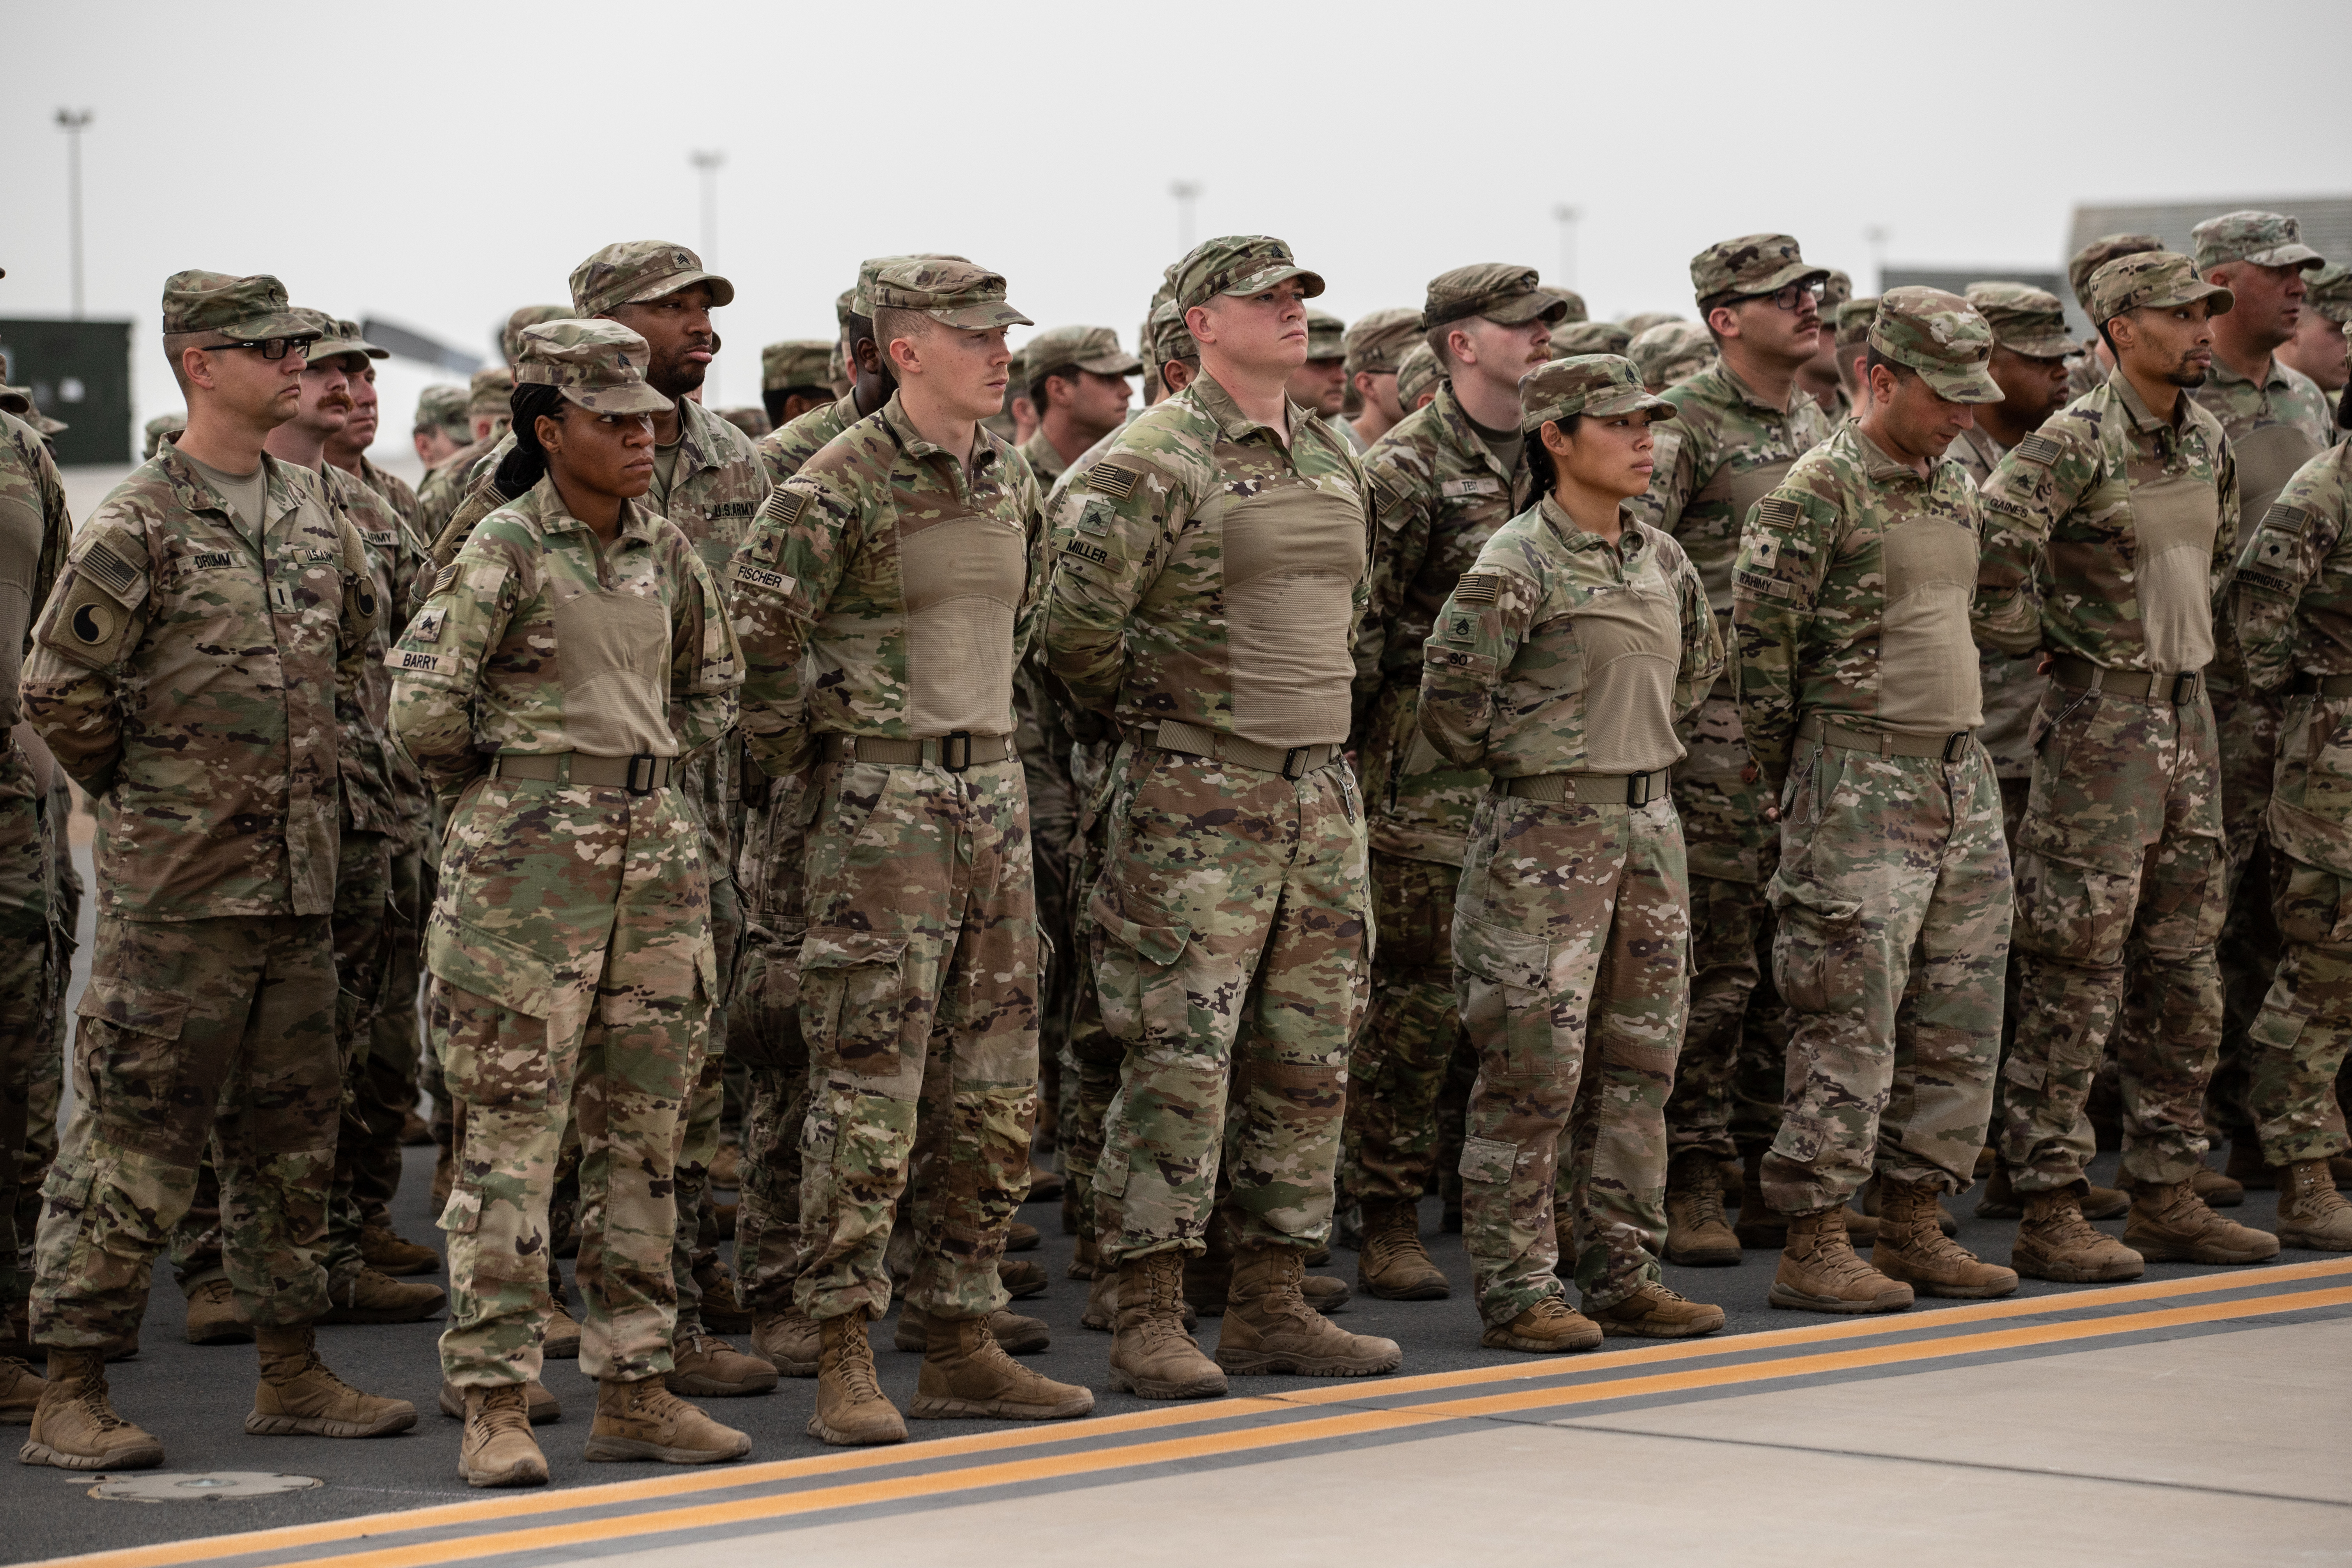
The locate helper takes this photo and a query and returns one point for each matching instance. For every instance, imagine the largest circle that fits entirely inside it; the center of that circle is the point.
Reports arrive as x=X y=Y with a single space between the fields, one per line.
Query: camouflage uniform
x=210 y=1011
x=560 y=683
x=1207 y=578
x=1671 y=352
x=447 y=482
x=35 y=532
x=884 y=598
x=2274 y=425
x=1438 y=491
x=1725 y=450
x=1853 y=596
x=2289 y=608
x=2089 y=372
x=1560 y=663
x=2123 y=523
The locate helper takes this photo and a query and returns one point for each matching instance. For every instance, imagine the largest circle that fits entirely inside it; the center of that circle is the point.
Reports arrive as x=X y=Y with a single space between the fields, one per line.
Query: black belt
x=955 y=752
x=2321 y=685
x=1951 y=747
x=1592 y=789
x=2082 y=675
x=640 y=775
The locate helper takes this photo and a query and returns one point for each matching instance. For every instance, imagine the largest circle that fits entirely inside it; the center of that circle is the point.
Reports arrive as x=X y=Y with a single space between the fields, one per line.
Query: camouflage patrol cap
x=1641 y=322
x=1172 y=339
x=1942 y=337
x=1016 y=376
x=2328 y=291
x=1577 y=309
x=1589 y=338
x=1671 y=352
x=153 y=433
x=1854 y=318
x=860 y=301
x=443 y=409
x=2161 y=279
x=491 y=390
x=1239 y=264
x=796 y=362
x=1327 y=336
x=949 y=290
x=752 y=421
x=2266 y=239
x=1417 y=372
x=16 y=400
x=2025 y=321
x=1496 y=289
x=1599 y=385
x=232 y=309
x=843 y=305
x=1751 y=264
x=632 y=271
x=598 y=365
x=340 y=337
x=1083 y=347
x=2098 y=253
x=1836 y=291
x=1378 y=339
x=510 y=336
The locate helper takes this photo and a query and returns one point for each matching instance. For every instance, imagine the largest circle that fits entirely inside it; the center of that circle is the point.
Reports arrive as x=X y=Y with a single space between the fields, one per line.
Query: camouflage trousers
x=189 y=1030
x=28 y=973
x=572 y=967
x=363 y=935
x=1726 y=1091
x=2247 y=725
x=2300 y=1036
x=46 y=1079
x=388 y=1089
x=1042 y=739
x=1571 y=945
x=1231 y=933
x=1091 y=1055
x=1410 y=1033
x=1893 y=897
x=2120 y=875
x=711 y=781
x=765 y=1024
x=919 y=1003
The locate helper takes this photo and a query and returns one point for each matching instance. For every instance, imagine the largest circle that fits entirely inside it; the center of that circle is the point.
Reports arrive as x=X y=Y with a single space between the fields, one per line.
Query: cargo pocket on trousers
x=2076 y=897
x=1488 y=1160
x=1502 y=980
x=128 y=1040
x=1816 y=947
x=853 y=992
x=1133 y=960
x=462 y=1215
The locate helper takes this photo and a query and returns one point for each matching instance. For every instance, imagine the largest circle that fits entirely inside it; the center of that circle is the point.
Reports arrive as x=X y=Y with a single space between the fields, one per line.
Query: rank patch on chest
x=1485 y=485
x=1478 y=588
x=1114 y=481
x=2039 y=449
x=427 y=626
x=1460 y=627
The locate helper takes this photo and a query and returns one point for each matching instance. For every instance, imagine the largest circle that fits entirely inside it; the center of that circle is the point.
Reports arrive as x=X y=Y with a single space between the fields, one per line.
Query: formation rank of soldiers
x=1796 y=758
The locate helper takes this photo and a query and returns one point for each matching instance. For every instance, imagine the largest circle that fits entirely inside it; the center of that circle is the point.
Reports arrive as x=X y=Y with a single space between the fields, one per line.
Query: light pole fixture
x=1566 y=217
x=1187 y=192
x=706 y=162
x=73 y=123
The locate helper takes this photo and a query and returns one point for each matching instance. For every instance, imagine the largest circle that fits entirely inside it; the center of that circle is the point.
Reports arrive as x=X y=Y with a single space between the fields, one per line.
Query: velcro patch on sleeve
x=767 y=579
x=2039 y=449
x=1776 y=511
x=1085 y=552
x=1770 y=587
x=1114 y=480
x=109 y=569
x=1478 y=588
x=1484 y=485
x=416 y=661
x=427 y=626
x=2281 y=519
x=447 y=575
x=785 y=507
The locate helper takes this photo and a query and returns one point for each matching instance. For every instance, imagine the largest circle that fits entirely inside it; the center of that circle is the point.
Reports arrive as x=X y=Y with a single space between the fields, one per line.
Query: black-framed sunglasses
x=271 y=348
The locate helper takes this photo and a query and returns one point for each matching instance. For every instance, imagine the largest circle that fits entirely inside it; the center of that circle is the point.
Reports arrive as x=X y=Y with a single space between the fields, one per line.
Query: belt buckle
x=1637 y=790
x=950 y=759
x=2184 y=686
x=1956 y=746
x=649 y=762
x=1295 y=758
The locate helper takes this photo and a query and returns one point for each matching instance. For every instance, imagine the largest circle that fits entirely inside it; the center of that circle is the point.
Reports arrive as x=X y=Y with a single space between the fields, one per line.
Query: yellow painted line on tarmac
x=1554 y=1391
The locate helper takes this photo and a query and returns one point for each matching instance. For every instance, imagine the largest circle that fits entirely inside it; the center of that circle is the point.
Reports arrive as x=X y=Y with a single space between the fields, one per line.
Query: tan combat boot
x=1324 y=1292
x=2056 y=1242
x=1019 y=1237
x=2215 y=1190
x=2247 y=1167
x=2311 y=1212
x=1697 y=1236
x=561 y=1342
x=1151 y=1356
x=497 y=1449
x=371 y=1296
x=722 y=1310
x=2170 y=1223
x=298 y=1397
x=212 y=1315
x=386 y=1251
x=1101 y=1310
x=1550 y=1327
x=1045 y=1186
x=1820 y=1271
x=642 y=1420
x=1392 y=1263
x=20 y=1392
x=1913 y=1250
x=1021 y=1277
x=74 y=1424
x=788 y=1341
x=1269 y=1327
x=538 y=1404
x=966 y=1373
x=1082 y=1259
x=708 y=1367
x=1658 y=1313
x=1758 y=1227
x=2003 y=1201
x=1017 y=1334
x=851 y=1411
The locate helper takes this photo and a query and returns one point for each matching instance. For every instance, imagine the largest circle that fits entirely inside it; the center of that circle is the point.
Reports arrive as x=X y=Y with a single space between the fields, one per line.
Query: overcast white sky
x=439 y=164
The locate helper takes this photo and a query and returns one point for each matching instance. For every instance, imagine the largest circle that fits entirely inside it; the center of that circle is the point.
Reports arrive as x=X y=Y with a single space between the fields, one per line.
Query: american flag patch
x=2286 y=520
x=1776 y=511
x=448 y=575
x=110 y=569
x=785 y=507
x=2039 y=449
x=1114 y=481
x=1477 y=588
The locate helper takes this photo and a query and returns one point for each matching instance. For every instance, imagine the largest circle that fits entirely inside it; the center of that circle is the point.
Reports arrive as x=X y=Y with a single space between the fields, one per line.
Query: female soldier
x=1560 y=666
x=568 y=661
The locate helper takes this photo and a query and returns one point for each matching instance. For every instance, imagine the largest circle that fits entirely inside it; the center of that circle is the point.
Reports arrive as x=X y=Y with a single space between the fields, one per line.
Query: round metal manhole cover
x=182 y=1485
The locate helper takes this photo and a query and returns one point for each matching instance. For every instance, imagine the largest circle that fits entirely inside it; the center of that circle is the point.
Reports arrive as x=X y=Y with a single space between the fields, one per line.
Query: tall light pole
x=1186 y=192
x=1566 y=217
x=707 y=162
x=1877 y=236
x=74 y=122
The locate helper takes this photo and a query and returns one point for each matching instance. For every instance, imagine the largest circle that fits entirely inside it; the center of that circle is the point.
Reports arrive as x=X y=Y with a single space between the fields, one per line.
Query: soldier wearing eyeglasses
x=213 y=615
